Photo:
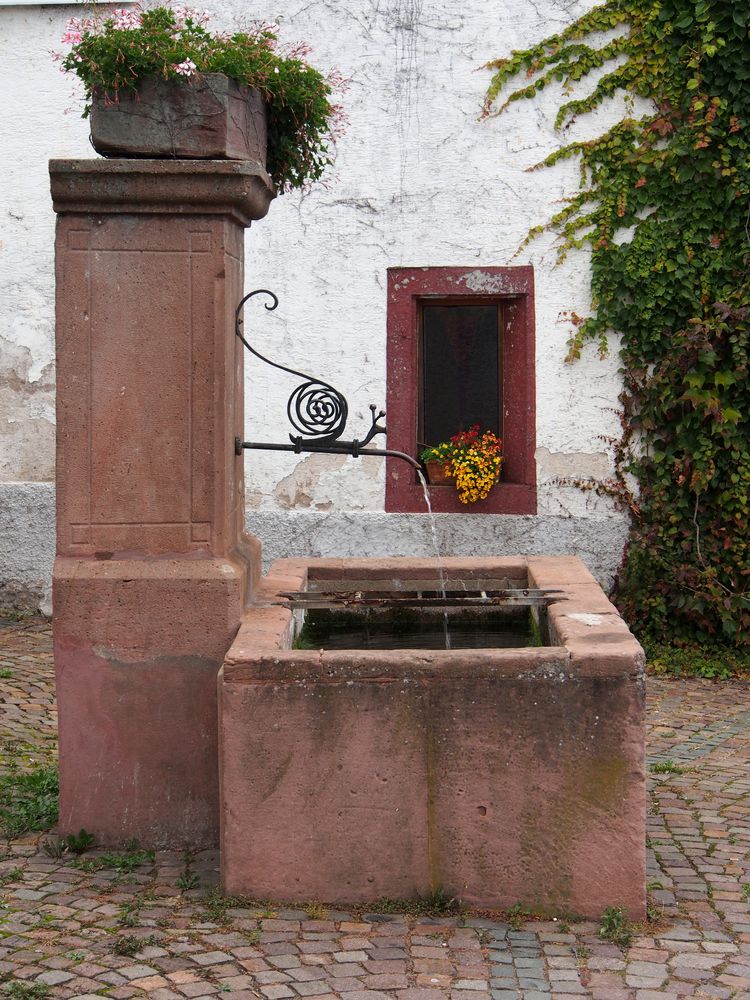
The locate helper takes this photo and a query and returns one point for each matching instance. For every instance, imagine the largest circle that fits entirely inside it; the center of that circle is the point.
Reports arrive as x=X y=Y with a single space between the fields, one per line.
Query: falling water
x=436 y=546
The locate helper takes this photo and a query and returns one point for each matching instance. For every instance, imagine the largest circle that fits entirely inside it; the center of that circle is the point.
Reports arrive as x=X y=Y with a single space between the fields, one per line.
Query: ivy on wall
x=678 y=291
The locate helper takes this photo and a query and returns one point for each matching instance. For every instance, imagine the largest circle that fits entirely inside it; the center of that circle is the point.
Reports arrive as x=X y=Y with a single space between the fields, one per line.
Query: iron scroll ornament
x=315 y=409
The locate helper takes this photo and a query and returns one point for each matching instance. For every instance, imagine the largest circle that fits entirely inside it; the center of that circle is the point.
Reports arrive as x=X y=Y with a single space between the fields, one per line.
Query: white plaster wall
x=419 y=180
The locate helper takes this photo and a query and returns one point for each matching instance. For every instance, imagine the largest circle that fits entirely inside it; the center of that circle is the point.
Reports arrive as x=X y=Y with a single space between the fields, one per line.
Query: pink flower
x=298 y=51
x=198 y=17
x=126 y=20
x=337 y=81
x=72 y=34
x=186 y=68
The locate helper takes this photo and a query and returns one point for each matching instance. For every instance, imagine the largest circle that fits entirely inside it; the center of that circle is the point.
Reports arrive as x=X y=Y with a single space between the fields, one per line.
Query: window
x=461 y=352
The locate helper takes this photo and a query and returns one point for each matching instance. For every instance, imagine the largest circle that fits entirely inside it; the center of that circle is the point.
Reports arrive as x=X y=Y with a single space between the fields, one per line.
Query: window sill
x=504 y=498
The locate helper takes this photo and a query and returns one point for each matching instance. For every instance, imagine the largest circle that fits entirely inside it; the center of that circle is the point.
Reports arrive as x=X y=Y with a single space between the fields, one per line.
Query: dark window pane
x=460 y=370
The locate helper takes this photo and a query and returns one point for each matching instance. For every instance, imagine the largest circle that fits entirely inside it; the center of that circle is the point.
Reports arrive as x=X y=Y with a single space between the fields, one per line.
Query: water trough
x=497 y=775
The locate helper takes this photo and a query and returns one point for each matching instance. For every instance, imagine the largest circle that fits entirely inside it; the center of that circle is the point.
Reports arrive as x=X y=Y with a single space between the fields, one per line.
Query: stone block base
x=138 y=645
x=497 y=775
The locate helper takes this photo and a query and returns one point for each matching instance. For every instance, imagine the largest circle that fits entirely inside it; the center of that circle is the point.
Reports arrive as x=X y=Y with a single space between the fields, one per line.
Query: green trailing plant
x=664 y=208
x=117 y=51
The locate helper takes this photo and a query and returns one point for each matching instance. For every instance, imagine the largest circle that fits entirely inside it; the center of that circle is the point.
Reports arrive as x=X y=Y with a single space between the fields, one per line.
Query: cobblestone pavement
x=128 y=926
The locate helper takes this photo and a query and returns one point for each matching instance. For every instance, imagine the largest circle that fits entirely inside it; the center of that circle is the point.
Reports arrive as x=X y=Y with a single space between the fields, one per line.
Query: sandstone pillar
x=153 y=568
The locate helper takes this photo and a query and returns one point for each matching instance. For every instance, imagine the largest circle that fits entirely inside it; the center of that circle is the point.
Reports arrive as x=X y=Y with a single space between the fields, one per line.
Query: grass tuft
x=25 y=991
x=124 y=862
x=616 y=927
x=438 y=904
x=28 y=801
x=666 y=767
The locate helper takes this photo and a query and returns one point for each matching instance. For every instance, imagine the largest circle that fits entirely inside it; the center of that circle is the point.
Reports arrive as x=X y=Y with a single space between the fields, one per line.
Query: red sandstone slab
x=585 y=598
x=598 y=643
x=312 y=808
x=540 y=791
x=153 y=566
x=556 y=571
x=262 y=630
x=238 y=189
x=513 y=774
x=334 y=666
x=471 y=567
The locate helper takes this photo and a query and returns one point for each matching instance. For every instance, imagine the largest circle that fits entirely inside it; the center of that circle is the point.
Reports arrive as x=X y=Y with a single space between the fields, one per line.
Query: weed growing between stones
x=666 y=767
x=216 y=907
x=124 y=862
x=516 y=915
x=129 y=913
x=128 y=945
x=79 y=843
x=438 y=904
x=28 y=801
x=187 y=878
x=25 y=991
x=582 y=954
x=616 y=927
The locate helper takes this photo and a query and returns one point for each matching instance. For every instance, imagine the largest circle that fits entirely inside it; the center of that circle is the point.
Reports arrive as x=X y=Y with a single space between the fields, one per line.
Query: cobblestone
x=86 y=933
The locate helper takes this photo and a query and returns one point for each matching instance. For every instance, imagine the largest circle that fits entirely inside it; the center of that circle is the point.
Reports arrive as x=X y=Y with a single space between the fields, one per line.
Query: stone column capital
x=238 y=189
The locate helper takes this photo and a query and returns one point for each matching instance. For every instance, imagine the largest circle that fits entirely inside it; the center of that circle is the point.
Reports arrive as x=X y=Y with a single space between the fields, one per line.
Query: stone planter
x=209 y=117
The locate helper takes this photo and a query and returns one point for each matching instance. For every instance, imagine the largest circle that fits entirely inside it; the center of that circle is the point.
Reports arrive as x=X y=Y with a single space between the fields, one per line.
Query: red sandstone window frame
x=513 y=289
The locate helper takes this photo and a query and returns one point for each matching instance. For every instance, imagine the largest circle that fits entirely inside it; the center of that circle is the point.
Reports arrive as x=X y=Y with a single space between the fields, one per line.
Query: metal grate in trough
x=423 y=597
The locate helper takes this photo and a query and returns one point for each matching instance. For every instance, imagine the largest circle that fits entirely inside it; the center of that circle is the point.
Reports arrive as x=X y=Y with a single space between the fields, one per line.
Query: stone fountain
x=497 y=775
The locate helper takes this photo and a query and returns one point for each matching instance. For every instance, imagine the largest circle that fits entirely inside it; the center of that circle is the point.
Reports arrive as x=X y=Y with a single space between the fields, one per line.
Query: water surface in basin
x=402 y=629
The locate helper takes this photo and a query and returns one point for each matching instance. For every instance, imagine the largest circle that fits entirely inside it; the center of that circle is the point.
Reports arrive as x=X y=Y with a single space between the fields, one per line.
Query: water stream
x=436 y=546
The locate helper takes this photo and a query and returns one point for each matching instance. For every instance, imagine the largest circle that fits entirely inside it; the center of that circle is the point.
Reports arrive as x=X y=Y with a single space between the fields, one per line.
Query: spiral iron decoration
x=315 y=409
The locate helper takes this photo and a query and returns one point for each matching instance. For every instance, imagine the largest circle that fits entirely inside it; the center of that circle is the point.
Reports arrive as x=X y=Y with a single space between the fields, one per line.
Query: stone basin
x=495 y=775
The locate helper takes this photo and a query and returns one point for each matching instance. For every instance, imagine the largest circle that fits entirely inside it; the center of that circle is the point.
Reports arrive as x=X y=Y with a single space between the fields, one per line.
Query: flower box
x=474 y=460
x=208 y=117
x=436 y=474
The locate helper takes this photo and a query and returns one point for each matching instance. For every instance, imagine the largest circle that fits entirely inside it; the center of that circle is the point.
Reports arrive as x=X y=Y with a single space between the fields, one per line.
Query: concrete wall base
x=27 y=538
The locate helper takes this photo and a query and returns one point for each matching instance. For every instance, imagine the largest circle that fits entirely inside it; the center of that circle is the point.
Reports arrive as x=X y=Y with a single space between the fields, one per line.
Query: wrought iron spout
x=351 y=448
x=316 y=410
